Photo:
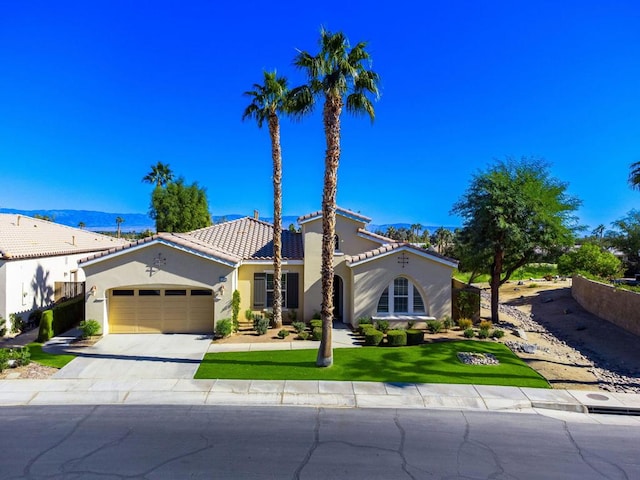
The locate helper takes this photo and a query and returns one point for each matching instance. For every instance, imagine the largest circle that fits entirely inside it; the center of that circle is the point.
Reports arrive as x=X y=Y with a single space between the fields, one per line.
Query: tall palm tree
x=119 y=221
x=416 y=228
x=160 y=174
x=634 y=175
x=339 y=75
x=267 y=102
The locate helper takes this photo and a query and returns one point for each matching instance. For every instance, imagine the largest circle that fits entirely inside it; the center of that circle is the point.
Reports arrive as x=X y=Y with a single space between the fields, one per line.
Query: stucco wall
x=432 y=278
x=27 y=285
x=620 y=307
x=133 y=268
x=245 y=285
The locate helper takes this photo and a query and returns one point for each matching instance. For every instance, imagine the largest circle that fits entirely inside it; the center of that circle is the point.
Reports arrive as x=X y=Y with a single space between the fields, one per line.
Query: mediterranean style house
x=39 y=262
x=183 y=282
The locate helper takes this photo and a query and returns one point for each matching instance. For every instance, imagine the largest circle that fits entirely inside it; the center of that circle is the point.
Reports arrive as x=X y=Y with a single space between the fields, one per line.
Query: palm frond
x=359 y=104
x=634 y=176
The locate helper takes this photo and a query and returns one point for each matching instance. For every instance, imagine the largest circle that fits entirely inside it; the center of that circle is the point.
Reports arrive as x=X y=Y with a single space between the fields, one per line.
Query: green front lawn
x=48 y=359
x=430 y=363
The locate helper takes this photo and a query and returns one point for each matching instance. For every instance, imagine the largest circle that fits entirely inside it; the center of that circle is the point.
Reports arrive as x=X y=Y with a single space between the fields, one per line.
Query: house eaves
x=339 y=211
x=394 y=248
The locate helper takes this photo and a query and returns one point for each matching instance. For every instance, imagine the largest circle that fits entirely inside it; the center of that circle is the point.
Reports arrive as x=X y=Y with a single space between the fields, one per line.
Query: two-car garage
x=151 y=309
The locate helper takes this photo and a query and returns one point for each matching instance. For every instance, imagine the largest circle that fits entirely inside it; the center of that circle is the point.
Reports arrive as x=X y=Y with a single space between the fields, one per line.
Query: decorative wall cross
x=157 y=262
x=403 y=259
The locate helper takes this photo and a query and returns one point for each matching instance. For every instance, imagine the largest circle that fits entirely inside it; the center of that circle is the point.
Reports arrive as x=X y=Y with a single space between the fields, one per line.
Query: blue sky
x=93 y=93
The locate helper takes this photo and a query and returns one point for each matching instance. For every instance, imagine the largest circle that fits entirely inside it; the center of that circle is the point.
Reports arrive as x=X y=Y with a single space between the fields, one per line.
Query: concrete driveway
x=137 y=356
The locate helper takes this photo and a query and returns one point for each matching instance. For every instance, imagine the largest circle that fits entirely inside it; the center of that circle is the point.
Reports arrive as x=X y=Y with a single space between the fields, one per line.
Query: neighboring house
x=39 y=262
x=183 y=282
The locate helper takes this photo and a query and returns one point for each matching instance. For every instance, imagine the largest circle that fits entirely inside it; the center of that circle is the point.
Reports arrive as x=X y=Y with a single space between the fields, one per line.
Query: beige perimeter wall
x=620 y=307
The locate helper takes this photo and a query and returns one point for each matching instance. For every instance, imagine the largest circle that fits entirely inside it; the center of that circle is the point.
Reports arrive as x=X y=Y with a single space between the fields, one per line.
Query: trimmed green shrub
x=415 y=336
x=303 y=335
x=45 y=333
x=365 y=321
x=67 y=315
x=89 y=328
x=434 y=326
x=260 y=324
x=397 y=338
x=316 y=334
x=235 y=306
x=497 y=333
x=382 y=325
x=364 y=327
x=447 y=323
x=465 y=323
x=469 y=333
x=315 y=323
x=283 y=333
x=224 y=327
x=373 y=337
x=299 y=326
x=248 y=315
x=483 y=333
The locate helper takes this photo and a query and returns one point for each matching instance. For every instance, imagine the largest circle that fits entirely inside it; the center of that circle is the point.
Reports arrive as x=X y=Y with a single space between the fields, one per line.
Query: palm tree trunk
x=276 y=155
x=496 y=271
x=331 y=117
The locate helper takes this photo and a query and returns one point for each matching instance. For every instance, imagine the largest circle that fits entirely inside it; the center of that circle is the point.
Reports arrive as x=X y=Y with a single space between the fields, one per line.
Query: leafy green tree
x=179 y=207
x=625 y=236
x=268 y=101
x=510 y=211
x=591 y=259
x=160 y=175
x=338 y=74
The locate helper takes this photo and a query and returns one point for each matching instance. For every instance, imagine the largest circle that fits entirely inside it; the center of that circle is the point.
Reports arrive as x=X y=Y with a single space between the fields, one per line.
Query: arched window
x=401 y=297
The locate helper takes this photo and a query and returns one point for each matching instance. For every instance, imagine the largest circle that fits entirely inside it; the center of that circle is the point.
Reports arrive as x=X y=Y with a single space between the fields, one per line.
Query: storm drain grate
x=614 y=410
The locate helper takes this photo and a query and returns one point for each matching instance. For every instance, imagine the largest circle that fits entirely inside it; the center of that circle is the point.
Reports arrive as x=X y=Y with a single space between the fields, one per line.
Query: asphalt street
x=176 y=442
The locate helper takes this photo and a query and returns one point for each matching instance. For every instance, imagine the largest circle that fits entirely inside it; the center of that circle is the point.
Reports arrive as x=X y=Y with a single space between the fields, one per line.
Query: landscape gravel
x=609 y=379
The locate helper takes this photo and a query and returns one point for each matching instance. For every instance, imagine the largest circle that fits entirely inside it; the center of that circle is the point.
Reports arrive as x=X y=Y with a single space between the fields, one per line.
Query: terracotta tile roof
x=250 y=239
x=390 y=247
x=27 y=237
x=340 y=211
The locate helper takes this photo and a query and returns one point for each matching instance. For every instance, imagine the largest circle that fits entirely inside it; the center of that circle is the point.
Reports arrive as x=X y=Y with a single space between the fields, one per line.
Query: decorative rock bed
x=475 y=358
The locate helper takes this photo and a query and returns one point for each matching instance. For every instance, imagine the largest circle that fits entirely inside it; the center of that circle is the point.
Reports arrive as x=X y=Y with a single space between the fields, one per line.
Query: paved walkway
x=91 y=385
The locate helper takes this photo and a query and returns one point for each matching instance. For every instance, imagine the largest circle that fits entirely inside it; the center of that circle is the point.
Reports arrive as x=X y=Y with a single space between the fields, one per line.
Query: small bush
x=497 y=333
x=299 y=326
x=382 y=325
x=3 y=326
x=465 y=323
x=248 y=315
x=434 y=326
x=316 y=334
x=45 y=333
x=483 y=333
x=224 y=327
x=373 y=337
x=20 y=356
x=261 y=324
x=447 y=323
x=397 y=338
x=4 y=359
x=315 y=323
x=485 y=325
x=303 y=335
x=364 y=327
x=469 y=333
x=283 y=333
x=17 y=325
x=415 y=336
x=365 y=321
x=89 y=328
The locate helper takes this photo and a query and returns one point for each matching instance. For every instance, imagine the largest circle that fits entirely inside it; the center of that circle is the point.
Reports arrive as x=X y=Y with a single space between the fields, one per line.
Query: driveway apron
x=122 y=356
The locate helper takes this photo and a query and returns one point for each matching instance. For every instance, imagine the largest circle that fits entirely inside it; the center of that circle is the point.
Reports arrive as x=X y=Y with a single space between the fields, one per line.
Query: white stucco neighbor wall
x=132 y=268
x=432 y=278
x=27 y=285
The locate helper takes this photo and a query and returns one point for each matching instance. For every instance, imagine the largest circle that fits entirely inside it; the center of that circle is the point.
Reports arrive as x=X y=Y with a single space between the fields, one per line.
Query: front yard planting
x=48 y=359
x=430 y=363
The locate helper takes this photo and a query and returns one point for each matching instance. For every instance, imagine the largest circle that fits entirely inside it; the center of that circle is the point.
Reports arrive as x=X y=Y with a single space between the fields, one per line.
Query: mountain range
x=140 y=222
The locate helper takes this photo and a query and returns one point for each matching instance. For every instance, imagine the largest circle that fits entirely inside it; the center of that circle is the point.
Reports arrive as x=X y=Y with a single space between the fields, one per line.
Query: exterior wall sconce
x=93 y=290
x=220 y=292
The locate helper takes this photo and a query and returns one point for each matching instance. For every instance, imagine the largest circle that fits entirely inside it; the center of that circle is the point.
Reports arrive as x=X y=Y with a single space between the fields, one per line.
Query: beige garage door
x=160 y=310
